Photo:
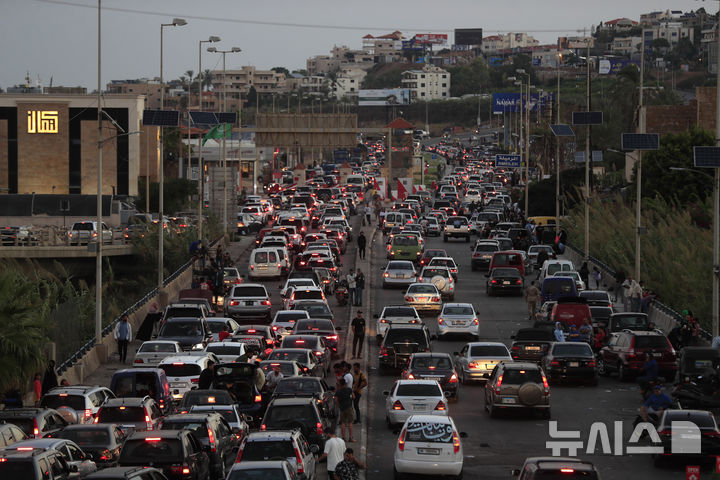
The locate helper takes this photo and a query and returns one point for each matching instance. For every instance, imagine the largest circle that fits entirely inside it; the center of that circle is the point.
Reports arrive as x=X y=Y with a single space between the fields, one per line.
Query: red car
x=429 y=254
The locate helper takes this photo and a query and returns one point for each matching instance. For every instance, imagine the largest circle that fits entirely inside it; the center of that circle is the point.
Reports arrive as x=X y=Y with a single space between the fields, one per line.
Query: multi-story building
x=385 y=47
x=670 y=31
x=347 y=83
x=430 y=83
x=496 y=43
x=143 y=86
x=236 y=83
x=618 y=25
x=625 y=45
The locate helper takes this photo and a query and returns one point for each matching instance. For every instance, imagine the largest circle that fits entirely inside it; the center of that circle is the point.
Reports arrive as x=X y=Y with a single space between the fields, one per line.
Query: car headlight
x=198 y=346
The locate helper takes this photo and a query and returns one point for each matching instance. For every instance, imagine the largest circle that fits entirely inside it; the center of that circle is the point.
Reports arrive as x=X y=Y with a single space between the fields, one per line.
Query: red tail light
x=473 y=364
x=555 y=363
x=211 y=439
x=398 y=405
x=195 y=380
x=545 y=384
x=499 y=384
x=234 y=303
x=591 y=363
x=453 y=378
x=263 y=427
x=298 y=462
x=36 y=427
x=180 y=469
x=332 y=337
x=440 y=320
x=518 y=281
x=435 y=299
x=401 y=441
x=148 y=423
x=138 y=360
x=240 y=452
x=88 y=413
x=440 y=406
x=265 y=303
x=319 y=428
x=258 y=398
x=456 y=442
x=515 y=348
x=383 y=352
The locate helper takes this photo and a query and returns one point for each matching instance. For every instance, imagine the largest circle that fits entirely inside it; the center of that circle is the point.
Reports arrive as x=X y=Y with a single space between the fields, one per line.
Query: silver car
x=423 y=296
x=476 y=360
x=411 y=397
x=458 y=318
x=441 y=278
x=248 y=300
x=399 y=272
x=152 y=352
x=395 y=314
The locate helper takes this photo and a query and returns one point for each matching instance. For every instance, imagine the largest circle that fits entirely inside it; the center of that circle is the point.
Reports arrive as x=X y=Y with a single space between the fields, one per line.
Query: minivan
x=139 y=382
x=508 y=259
x=264 y=262
x=556 y=287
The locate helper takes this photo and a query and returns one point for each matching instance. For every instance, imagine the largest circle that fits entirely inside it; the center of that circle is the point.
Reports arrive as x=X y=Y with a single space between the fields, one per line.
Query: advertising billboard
x=510 y=102
x=614 y=66
x=468 y=36
x=384 y=97
x=434 y=38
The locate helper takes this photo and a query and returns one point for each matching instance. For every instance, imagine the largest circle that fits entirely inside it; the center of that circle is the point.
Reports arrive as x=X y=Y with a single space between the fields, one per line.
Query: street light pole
x=587 y=159
x=177 y=22
x=201 y=175
x=99 y=230
x=716 y=188
x=638 y=187
x=557 y=155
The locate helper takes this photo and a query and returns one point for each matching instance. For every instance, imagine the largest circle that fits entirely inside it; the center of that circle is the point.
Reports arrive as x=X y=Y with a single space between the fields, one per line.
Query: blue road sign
x=434 y=157
x=507 y=161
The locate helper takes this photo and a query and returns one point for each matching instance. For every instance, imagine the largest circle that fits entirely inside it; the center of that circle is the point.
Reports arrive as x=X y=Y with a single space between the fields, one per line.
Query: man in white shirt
x=347 y=375
x=272 y=378
x=352 y=285
x=334 y=452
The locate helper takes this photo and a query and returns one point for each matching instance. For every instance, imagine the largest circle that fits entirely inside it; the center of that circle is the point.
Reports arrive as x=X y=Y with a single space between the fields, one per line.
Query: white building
x=430 y=83
x=347 y=82
x=496 y=43
x=625 y=45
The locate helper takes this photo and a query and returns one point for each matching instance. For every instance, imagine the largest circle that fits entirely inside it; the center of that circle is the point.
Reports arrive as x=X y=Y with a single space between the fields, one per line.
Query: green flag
x=217 y=132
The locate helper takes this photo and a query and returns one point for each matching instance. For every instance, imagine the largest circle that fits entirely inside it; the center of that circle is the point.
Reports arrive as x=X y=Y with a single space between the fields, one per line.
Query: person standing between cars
x=347 y=376
x=584 y=273
x=636 y=293
x=334 y=450
x=207 y=376
x=224 y=333
x=49 y=378
x=368 y=213
x=359 y=286
x=586 y=332
x=350 y=278
x=358 y=328
x=37 y=389
x=359 y=384
x=627 y=294
x=361 y=241
x=532 y=296
x=597 y=277
x=344 y=397
x=349 y=468
x=541 y=258
x=559 y=333
x=123 y=335
x=272 y=378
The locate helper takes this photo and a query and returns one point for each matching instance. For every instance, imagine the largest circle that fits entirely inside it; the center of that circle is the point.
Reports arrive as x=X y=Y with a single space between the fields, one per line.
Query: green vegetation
x=176 y=194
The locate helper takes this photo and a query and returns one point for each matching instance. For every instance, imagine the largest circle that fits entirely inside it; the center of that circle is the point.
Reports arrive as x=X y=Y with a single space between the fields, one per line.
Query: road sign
x=434 y=157
x=706 y=157
x=692 y=472
x=587 y=118
x=562 y=130
x=161 y=118
x=507 y=161
x=640 y=141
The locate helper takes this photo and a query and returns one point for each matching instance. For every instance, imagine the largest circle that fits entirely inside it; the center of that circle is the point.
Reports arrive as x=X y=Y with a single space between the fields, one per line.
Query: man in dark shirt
x=349 y=468
x=358 y=328
x=343 y=397
x=656 y=403
x=207 y=376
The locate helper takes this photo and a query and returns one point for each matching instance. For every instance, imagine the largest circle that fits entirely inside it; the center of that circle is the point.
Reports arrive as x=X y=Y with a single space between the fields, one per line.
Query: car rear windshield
x=157 y=347
x=298 y=385
x=151 y=451
x=422 y=289
x=514 y=376
x=428 y=432
x=225 y=349
x=268 y=450
x=181 y=329
x=121 y=414
x=557 y=267
x=76 y=402
x=486 y=248
x=86 y=437
x=183 y=312
x=299 y=343
x=558 y=286
x=282 y=415
x=431 y=272
x=20 y=468
x=399 y=312
x=457 y=310
x=573 y=350
x=199 y=397
x=265 y=473
x=445 y=262
x=249 y=292
x=651 y=341
x=507 y=259
x=701 y=420
x=24 y=424
x=300 y=357
x=594 y=295
x=313 y=326
x=308 y=295
x=404 y=336
x=181 y=369
x=405 y=241
x=432 y=363
x=488 y=351
x=199 y=428
x=632 y=322
x=418 y=390
x=288 y=317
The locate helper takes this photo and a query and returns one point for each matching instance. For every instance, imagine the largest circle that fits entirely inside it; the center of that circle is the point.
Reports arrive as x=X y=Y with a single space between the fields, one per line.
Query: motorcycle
x=694 y=396
x=341 y=293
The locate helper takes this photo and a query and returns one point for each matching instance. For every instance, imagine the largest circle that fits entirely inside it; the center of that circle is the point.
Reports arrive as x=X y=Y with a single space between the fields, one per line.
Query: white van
x=264 y=262
x=183 y=372
x=551 y=266
x=356 y=180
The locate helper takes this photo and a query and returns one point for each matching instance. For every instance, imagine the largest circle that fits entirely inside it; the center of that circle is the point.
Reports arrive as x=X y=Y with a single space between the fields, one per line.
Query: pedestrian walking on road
x=350 y=278
x=597 y=278
x=359 y=286
x=359 y=384
x=532 y=296
x=361 y=241
x=37 y=389
x=49 y=378
x=334 y=451
x=627 y=293
x=368 y=213
x=349 y=468
x=123 y=335
x=343 y=397
x=584 y=274
x=358 y=328
x=636 y=293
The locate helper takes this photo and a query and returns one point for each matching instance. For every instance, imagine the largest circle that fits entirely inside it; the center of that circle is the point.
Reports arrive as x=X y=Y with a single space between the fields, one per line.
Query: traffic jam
x=247 y=384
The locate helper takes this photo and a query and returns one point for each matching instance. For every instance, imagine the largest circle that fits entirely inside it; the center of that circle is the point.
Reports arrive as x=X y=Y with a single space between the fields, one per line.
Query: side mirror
x=314 y=448
x=386 y=392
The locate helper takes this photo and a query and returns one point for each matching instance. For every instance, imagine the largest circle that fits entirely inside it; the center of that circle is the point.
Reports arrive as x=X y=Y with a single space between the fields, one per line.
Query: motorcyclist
x=656 y=403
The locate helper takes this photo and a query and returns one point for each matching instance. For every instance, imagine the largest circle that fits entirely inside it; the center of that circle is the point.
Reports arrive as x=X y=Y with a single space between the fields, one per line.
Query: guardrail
x=661 y=308
x=82 y=351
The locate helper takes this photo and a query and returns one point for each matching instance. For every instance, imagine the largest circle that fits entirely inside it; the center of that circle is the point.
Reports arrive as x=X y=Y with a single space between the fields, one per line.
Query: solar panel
x=579 y=157
x=161 y=118
x=596 y=155
x=587 y=118
x=562 y=130
x=213 y=118
x=706 y=157
x=640 y=141
x=227 y=117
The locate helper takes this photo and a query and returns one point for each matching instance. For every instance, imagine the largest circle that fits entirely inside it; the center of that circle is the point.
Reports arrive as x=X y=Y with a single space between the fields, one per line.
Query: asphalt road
x=496 y=446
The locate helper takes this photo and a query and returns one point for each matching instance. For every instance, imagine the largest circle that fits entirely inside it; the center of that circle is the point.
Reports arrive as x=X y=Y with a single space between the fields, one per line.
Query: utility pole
x=587 y=158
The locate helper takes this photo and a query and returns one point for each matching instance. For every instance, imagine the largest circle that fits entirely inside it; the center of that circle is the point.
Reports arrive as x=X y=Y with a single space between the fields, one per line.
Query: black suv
x=215 y=434
x=127 y=473
x=178 y=453
x=34 y=422
x=308 y=387
x=34 y=464
x=536 y=468
x=299 y=413
x=400 y=342
x=531 y=344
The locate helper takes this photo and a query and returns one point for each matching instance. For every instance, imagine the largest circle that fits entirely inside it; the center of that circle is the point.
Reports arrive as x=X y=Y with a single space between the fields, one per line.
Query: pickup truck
x=457 y=227
x=82 y=233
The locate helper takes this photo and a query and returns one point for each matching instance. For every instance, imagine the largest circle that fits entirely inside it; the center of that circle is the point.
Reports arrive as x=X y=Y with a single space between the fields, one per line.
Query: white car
x=409 y=397
x=296 y=282
x=429 y=445
x=448 y=262
x=394 y=314
x=549 y=267
x=304 y=293
x=152 y=352
x=458 y=318
x=216 y=324
x=284 y=321
x=579 y=284
x=226 y=352
x=183 y=372
x=441 y=278
x=476 y=360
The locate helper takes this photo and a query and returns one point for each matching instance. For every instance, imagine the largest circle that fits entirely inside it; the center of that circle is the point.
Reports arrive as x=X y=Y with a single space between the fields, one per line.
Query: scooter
x=341 y=293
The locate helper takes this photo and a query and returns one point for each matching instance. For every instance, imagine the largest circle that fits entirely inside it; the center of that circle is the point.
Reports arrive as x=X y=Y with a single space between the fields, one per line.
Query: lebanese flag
x=402 y=193
x=377 y=187
x=414 y=189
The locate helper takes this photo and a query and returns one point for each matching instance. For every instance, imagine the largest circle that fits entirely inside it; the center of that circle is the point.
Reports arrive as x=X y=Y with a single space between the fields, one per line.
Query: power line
x=291 y=24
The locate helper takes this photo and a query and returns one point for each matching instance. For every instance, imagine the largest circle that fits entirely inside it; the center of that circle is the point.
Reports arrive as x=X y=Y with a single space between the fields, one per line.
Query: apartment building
x=430 y=83
x=237 y=83
x=385 y=47
x=143 y=86
x=347 y=82
x=496 y=43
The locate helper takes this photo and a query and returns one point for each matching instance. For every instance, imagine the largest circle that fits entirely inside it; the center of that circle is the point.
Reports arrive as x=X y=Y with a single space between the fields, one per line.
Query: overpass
x=63 y=251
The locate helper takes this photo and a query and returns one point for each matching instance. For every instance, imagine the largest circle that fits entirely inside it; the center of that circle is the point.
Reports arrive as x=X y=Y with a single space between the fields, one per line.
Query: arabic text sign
x=507 y=161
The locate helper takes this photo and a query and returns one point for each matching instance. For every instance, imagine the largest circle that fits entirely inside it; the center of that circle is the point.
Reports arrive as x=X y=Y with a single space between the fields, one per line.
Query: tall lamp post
x=98 y=258
x=201 y=176
x=177 y=22
x=526 y=140
x=224 y=144
x=557 y=155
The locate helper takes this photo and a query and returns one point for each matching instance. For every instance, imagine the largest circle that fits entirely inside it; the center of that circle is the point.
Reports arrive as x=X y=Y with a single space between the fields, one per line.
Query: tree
x=472 y=78
x=281 y=70
x=207 y=78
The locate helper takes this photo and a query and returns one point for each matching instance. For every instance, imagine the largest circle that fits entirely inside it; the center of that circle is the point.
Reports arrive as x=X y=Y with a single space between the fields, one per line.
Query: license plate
x=418 y=406
x=422 y=299
x=458 y=322
x=177 y=385
x=505 y=282
x=508 y=400
x=573 y=364
x=532 y=348
x=428 y=451
x=249 y=303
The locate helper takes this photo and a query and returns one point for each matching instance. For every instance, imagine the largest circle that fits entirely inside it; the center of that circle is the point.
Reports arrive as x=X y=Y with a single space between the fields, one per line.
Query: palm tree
x=207 y=78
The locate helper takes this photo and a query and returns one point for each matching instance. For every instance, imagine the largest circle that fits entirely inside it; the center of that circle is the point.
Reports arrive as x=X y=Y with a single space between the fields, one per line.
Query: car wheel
x=492 y=411
x=467 y=239
x=396 y=475
x=445 y=238
x=622 y=373
x=602 y=368
x=460 y=475
x=546 y=414
x=463 y=380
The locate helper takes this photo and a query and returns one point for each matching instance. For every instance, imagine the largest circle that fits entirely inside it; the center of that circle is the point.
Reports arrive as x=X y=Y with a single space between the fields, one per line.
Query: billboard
x=613 y=67
x=412 y=45
x=468 y=36
x=507 y=161
x=510 y=102
x=434 y=38
x=384 y=97
x=496 y=61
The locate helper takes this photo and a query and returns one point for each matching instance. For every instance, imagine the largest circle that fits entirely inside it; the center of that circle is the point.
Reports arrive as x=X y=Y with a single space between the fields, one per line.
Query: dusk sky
x=58 y=38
